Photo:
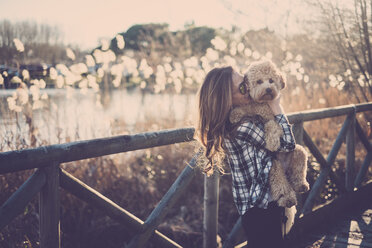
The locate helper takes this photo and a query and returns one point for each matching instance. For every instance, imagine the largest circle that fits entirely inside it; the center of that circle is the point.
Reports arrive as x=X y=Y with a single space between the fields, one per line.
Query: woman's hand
x=275 y=105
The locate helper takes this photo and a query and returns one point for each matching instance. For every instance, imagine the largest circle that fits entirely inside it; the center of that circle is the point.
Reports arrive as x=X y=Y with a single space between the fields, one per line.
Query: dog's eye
x=271 y=80
x=259 y=81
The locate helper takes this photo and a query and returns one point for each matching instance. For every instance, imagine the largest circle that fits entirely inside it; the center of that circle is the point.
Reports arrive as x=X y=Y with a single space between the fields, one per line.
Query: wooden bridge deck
x=350 y=232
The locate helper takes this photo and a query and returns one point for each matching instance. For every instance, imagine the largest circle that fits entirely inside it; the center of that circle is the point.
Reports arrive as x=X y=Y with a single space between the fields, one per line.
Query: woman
x=243 y=146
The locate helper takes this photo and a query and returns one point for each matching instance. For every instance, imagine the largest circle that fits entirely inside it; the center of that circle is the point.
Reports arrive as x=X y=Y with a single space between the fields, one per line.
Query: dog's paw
x=236 y=115
x=286 y=203
x=288 y=200
x=301 y=187
x=272 y=145
x=283 y=193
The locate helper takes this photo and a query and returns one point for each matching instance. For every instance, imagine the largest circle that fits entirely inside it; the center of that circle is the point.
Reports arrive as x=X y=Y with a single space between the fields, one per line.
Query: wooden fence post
x=50 y=209
x=210 y=221
x=166 y=203
x=363 y=170
x=235 y=235
x=108 y=207
x=350 y=155
x=17 y=202
x=298 y=133
x=323 y=163
x=367 y=161
x=321 y=180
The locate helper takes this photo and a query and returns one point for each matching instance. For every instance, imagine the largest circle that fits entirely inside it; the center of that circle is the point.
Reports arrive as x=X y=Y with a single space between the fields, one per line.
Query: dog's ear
x=283 y=80
x=246 y=77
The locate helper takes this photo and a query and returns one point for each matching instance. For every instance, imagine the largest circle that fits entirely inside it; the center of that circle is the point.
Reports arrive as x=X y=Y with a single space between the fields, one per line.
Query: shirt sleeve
x=287 y=141
x=252 y=133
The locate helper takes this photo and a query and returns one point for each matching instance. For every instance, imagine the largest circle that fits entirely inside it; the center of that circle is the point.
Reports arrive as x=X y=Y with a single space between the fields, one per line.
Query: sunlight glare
x=145 y=69
x=240 y=47
x=143 y=84
x=42 y=84
x=11 y=102
x=35 y=92
x=92 y=83
x=289 y=56
x=16 y=80
x=269 y=55
x=322 y=101
x=37 y=105
x=53 y=74
x=211 y=54
x=22 y=94
x=19 y=45
x=100 y=73
x=248 y=52
x=233 y=51
x=229 y=60
x=177 y=85
x=89 y=60
x=120 y=43
x=219 y=43
x=63 y=69
x=44 y=96
x=25 y=75
x=256 y=55
x=354 y=227
x=79 y=68
x=306 y=79
x=60 y=81
x=191 y=62
x=70 y=54
x=105 y=44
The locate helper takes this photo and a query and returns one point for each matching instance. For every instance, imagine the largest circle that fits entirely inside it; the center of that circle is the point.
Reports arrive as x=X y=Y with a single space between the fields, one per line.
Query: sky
x=85 y=22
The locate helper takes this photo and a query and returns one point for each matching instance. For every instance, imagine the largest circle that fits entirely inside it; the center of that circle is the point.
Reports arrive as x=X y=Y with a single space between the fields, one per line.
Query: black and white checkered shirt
x=250 y=162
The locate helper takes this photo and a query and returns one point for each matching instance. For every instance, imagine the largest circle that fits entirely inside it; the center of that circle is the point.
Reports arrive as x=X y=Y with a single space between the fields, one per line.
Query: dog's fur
x=288 y=173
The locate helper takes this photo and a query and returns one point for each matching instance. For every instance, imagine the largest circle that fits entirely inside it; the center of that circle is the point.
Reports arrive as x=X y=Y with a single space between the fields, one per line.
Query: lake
x=70 y=115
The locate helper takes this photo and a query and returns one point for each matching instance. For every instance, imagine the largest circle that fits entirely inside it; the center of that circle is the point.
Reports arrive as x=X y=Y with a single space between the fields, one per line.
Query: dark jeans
x=263 y=227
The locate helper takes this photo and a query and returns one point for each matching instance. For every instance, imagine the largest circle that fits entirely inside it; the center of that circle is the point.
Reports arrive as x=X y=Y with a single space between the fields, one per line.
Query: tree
x=155 y=41
x=200 y=38
x=42 y=42
x=348 y=30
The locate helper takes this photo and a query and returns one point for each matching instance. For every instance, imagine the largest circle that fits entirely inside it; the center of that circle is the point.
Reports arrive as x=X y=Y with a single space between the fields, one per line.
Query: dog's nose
x=269 y=90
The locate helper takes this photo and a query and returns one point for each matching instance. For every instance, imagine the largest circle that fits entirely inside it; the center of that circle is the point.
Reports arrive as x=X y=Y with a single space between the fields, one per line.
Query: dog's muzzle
x=268 y=95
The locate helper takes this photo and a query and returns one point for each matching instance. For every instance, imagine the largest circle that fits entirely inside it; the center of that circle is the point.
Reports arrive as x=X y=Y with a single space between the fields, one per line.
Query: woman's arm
x=287 y=141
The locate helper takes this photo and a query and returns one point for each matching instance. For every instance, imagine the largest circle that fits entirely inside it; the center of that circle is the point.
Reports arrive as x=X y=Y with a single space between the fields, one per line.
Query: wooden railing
x=307 y=217
x=48 y=177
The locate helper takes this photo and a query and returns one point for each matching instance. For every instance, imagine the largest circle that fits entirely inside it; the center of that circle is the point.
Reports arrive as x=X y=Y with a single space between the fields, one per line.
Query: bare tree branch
x=363 y=6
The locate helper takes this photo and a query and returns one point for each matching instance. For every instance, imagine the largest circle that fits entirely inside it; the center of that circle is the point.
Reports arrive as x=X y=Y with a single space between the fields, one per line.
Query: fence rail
x=42 y=156
x=48 y=177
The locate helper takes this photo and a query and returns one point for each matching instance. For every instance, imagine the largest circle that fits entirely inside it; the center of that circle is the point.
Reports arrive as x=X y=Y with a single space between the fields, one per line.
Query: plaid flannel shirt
x=250 y=162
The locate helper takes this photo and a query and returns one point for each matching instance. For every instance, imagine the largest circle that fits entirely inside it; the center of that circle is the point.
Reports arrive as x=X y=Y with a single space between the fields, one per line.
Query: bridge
x=314 y=226
x=353 y=230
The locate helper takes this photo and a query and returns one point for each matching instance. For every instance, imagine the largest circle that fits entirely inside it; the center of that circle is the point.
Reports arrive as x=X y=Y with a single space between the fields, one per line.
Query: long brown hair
x=214 y=105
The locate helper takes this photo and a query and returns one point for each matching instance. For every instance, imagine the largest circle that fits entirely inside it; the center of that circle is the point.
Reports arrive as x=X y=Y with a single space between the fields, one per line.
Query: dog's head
x=264 y=81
